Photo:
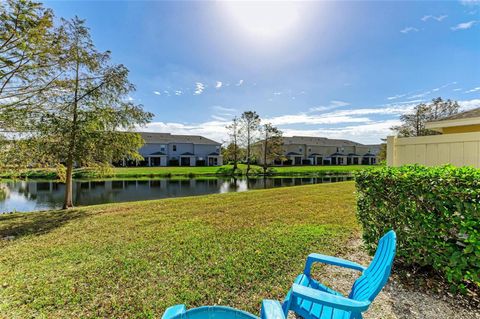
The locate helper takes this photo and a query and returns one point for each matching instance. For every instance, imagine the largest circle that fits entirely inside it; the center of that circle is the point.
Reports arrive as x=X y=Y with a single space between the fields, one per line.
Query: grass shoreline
x=135 y=259
x=190 y=172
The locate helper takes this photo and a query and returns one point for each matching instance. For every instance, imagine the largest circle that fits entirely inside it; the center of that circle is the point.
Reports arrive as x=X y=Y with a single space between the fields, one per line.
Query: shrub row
x=435 y=212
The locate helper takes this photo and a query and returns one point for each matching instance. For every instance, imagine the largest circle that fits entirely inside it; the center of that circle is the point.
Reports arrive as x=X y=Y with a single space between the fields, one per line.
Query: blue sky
x=343 y=69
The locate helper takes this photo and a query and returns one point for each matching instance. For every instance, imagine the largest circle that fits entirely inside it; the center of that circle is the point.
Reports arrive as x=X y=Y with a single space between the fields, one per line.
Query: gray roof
x=337 y=154
x=462 y=115
x=187 y=154
x=170 y=138
x=158 y=153
x=293 y=153
x=321 y=141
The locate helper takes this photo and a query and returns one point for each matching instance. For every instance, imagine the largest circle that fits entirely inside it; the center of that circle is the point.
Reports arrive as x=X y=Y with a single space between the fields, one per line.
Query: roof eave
x=440 y=125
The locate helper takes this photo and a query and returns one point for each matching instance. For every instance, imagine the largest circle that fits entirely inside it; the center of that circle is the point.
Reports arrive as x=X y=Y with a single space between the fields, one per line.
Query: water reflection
x=43 y=195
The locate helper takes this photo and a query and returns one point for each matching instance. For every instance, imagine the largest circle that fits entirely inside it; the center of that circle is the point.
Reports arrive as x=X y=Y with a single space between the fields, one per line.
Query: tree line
x=251 y=141
x=62 y=101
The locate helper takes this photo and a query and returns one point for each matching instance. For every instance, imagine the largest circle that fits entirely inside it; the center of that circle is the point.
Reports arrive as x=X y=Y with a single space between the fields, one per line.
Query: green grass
x=319 y=169
x=225 y=170
x=132 y=260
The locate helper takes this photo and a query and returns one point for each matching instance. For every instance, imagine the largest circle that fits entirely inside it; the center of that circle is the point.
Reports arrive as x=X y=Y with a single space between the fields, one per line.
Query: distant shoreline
x=188 y=172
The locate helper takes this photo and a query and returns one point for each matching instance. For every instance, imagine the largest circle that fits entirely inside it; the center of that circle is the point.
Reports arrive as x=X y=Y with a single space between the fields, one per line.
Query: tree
x=85 y=118
x=382 y=152
x=233 y=150
x=250 y=123
x=232 y=153
x=29 y=59
x=414 y=123
x=272 y=145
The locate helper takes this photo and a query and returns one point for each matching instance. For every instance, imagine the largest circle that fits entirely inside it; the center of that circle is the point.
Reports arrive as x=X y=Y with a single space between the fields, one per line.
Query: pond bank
x=225 y=170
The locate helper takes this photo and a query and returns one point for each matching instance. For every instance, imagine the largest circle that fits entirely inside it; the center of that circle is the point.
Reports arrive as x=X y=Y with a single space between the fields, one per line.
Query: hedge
x=435 y=212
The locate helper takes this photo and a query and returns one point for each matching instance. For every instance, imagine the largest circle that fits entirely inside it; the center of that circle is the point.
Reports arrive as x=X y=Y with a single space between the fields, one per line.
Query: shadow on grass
x=24 y=224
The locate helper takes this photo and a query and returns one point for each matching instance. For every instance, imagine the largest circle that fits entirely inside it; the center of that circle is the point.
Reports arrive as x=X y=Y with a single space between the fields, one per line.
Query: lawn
x=133 y=260
x=226 y=169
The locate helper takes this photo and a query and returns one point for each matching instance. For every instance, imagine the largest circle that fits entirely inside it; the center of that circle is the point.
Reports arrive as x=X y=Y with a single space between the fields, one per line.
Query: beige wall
x=461 y=149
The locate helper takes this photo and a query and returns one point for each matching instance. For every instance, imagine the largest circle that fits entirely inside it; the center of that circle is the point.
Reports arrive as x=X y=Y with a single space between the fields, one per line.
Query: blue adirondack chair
x=312 y=300
x=309 y=298
x=271 y=309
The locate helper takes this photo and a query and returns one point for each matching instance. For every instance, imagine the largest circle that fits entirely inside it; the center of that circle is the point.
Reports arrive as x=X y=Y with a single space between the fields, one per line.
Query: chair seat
x=305 y=309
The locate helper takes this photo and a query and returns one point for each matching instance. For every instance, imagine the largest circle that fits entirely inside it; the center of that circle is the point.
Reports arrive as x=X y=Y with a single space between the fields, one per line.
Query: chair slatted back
x=369 y=284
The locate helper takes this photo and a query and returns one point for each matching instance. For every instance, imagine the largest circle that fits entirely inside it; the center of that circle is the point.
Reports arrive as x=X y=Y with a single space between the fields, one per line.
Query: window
x=300 y=149
x=162 y=148
x=309 y=149
x=174 y=148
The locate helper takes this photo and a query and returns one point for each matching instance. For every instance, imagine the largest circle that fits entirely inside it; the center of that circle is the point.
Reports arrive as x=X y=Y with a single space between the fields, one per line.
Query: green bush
x=435 y=212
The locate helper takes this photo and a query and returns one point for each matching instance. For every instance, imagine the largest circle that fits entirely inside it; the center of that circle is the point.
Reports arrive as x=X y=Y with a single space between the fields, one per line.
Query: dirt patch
x=396 y=300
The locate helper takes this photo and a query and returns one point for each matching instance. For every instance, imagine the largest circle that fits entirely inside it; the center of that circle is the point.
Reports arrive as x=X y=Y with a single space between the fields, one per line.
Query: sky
x=343 y=69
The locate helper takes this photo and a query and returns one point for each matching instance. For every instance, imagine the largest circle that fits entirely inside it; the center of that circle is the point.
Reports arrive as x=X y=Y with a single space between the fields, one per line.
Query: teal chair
x=312 y=300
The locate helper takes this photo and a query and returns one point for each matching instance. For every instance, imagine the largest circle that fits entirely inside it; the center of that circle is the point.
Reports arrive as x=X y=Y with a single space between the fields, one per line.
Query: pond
x=23 y=196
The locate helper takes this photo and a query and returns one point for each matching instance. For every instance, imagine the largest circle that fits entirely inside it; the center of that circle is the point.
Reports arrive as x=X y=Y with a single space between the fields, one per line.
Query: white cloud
x=333 y=105
x=469 y=104
x=457 y=89
x=473 y=90
x=370 y=133
x=199 y=88
x=425 y=18
x=214 y=129
x=470 y=2
x=309 y=119
x=359 y=129
x=129 y=98
x=239 y=83
x=409 y=29
x=422 y=94
x=277 y=93
x=178 y=92
x=395 y=97
x=224 y=110
x=437 y=18
x=464 y=25
x=219 y=118
x=218 y=84
x=157 y=93
x=166 y=92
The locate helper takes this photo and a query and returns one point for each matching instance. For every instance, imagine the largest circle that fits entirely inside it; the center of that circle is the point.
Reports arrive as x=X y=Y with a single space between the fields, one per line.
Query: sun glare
x=264 y=20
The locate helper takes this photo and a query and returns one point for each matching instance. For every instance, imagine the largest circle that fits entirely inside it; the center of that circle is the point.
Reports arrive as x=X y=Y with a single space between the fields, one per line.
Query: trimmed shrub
x=435 y=212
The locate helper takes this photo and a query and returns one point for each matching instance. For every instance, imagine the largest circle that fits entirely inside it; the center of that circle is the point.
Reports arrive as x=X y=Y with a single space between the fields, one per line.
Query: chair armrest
x=271 y=309
x=174 y=311
x=329 y=260
x=330 y=300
